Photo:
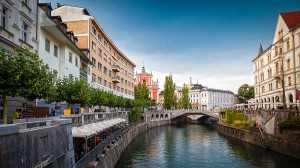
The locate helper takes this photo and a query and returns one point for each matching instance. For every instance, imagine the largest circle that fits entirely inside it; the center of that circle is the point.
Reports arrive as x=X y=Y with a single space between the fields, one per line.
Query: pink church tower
x=147 y=78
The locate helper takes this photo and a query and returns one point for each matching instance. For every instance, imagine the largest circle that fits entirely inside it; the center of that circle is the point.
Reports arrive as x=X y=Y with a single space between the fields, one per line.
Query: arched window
x=288 y=64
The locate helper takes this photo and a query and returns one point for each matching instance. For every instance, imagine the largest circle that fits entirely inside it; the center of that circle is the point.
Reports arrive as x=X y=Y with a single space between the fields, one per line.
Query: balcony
x=116 y=68
x=116 y=79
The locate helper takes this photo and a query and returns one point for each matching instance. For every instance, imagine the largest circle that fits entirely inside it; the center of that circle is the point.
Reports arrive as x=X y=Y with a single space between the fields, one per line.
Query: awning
x=89 y=130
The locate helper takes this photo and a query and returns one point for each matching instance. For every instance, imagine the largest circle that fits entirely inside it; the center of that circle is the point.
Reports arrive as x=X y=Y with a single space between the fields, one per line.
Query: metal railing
x=91 y=156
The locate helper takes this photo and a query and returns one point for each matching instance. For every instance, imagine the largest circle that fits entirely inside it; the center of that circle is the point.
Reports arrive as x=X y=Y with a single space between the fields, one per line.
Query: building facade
x=204 y=98
x=277 y=69
x=153 y=87
x=112 y=70
x=18 y=27
x=58 y=47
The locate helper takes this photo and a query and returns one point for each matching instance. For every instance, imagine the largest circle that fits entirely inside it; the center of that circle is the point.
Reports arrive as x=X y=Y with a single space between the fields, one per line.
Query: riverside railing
x=99 y=149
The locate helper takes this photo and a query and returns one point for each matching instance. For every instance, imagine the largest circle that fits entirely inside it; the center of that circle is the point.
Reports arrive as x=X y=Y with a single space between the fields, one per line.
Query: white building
x=18 y=24
x=58 y=47
x=203 y=98
x=279 y=62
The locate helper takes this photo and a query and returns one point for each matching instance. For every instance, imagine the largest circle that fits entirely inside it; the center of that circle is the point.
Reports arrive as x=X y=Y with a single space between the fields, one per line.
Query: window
x=25 y=1
x=105 y=57
x=109 y=61
x=70 y=57
x=3 y=17
x=109 y=73
x=110 y=49
x=93 y=61
x=270 y=87
x=276 y=50
x=269 y=73
x=94 y=30
x=99 y=80
x=93 y=46
x=99 y=38
x=55 y=50
x=277 y=84
x=289 y=81
x=93 y=77
x=276 y=67
x=47 y=44
x=288 y=46
x=269 y=58
x=105 y=70
x=262 y=89
x=109 y=84
x=261 y=63
x=99 y=52
x=105 y=83
x=24 y=32
x=105 y=44
x=76 y=61
x=99 y=66
x=288 y=64
x=262 y=77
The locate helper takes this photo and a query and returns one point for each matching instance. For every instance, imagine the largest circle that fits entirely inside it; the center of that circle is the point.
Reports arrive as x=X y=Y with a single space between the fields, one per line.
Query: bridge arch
x=157 y=116
x=166 y=116
x=161 y=116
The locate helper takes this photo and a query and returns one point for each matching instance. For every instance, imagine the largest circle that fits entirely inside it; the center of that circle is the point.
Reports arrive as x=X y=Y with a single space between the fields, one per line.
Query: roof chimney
x=58 y=5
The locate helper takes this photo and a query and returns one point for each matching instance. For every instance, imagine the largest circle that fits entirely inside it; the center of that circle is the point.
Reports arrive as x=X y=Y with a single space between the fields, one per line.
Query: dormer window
x=49 y=12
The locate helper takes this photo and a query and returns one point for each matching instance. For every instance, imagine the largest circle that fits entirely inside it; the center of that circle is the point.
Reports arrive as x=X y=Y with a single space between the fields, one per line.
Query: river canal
x=194 y=146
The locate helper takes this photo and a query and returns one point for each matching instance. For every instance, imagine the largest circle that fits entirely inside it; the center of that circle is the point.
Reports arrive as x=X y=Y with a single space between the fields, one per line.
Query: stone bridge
x=177 y=114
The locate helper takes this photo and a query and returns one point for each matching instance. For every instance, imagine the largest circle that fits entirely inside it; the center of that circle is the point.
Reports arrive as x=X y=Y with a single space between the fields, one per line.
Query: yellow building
x=277 y=69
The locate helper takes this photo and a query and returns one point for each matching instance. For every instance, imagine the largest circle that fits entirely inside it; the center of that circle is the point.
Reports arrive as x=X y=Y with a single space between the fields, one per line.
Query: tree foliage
x=135 y=114
x=185 y=97
x=169 y=88
x=246 y=92
x=23 y=73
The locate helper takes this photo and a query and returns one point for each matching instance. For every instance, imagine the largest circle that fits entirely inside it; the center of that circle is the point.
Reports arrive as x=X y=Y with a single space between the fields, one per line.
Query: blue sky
x=213 y=41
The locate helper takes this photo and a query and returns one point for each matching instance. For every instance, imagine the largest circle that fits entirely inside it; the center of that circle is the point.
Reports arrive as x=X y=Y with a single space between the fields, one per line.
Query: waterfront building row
x=70 y=41
x=277 y=68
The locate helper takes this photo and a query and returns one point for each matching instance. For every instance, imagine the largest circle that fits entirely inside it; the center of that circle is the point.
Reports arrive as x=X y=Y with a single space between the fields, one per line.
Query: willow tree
x=169 y=88
x=23 y=73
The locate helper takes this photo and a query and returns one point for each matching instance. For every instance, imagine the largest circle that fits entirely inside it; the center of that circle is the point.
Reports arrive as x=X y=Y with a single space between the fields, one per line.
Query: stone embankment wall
x=112 y=154
x=287 y=143
x=46 y=146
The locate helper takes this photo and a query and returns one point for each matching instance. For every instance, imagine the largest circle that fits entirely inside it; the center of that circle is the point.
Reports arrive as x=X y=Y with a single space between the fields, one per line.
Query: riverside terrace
x=57 y=142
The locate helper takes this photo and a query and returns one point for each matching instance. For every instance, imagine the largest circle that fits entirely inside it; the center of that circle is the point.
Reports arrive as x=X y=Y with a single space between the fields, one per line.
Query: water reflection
x=196 y=146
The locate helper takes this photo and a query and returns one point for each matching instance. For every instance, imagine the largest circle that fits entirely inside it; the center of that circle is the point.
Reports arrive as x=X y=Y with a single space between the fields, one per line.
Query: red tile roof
x=291 y=19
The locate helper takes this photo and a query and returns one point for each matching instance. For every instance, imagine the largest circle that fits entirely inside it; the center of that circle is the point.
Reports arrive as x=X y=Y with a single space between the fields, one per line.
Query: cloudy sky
x=212 y=41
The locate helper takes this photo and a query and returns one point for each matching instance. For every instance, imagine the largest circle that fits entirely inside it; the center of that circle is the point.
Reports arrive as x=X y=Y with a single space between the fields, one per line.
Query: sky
x=211 y=41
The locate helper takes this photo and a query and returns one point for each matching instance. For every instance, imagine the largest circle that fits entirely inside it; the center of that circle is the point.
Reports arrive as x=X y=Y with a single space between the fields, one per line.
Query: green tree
x=23 y=73
x=185 y=97
x=246 y=92
x=141 y=95
x=73 y=91
x=169 y=88
x=135 y=114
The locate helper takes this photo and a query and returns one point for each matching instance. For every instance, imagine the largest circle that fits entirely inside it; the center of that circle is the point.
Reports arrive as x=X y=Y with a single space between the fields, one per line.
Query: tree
x=246 y=92
x=169 y=88
x=73 y=91
x=185 y=97
x=141 y=95
x=135 y=114
x=23 y=73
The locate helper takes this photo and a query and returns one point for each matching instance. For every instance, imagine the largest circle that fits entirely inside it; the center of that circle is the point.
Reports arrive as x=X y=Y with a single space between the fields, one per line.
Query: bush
x=293 y=123
x=135 y=114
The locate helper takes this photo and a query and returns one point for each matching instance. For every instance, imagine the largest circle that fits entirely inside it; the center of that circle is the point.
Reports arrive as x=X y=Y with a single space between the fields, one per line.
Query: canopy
x=89 y=130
